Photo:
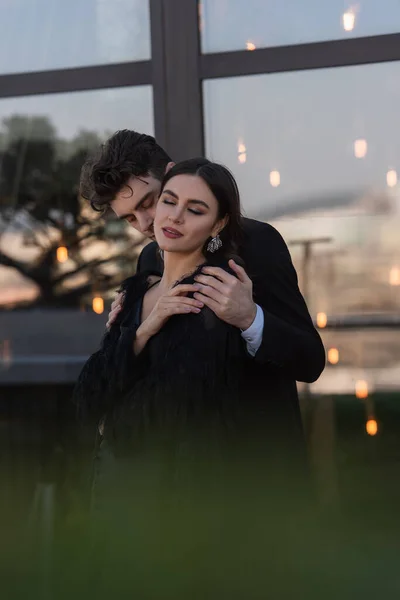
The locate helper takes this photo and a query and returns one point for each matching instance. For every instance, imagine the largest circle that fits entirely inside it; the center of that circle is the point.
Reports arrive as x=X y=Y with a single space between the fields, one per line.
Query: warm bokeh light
x=391 y=178
x=322 y=320
x=360 y=148
x=394 y=276
x=333 y=356
x=250 y=46
x=242 y=155
x=98 y=305
x=371 y=427
x=361 y=389
x=349 y=19
x=275 y=178
x=62 y=254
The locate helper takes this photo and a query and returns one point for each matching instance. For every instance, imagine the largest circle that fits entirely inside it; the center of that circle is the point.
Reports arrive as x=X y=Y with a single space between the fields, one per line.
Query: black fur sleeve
x=109 y=371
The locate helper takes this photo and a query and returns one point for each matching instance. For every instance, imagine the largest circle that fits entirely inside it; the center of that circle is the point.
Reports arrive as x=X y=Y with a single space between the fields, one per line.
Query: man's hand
x=116 y=308
x=229 y=297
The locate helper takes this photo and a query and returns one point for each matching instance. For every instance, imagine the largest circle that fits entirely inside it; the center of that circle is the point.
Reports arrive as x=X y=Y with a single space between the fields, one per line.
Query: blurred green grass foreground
x=237 y=539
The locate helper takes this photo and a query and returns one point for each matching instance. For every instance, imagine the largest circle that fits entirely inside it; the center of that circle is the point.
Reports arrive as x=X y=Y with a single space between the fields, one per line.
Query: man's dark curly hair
x=125 y=154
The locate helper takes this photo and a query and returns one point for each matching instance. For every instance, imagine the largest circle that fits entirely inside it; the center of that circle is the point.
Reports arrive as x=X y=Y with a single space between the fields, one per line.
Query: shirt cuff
x=253 y=335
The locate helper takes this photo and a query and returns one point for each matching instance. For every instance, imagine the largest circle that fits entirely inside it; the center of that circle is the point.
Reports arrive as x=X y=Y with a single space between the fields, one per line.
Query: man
x=263 y=300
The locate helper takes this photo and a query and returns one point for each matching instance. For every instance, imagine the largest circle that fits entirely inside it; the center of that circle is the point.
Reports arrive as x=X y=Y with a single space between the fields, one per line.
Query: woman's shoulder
x=137 y=285
x=220 y=263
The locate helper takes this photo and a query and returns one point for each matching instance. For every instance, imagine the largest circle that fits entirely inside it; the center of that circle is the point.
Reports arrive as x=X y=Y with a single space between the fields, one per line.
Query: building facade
x=300 y=100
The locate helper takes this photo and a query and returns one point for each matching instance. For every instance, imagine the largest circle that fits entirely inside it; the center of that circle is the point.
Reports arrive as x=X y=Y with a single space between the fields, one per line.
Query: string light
x=391 y=178
x=371 y=427
x=275 y=178
x=62 y=254
x=394 y=276
x=361 y=389
x=98 y=305
x=322 y=320
x=360 y=148
x=242 y=154
x=333 y=356
x=349 y=19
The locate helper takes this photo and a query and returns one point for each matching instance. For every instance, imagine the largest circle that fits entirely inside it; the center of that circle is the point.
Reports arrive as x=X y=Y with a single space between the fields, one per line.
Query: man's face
x=136 y=203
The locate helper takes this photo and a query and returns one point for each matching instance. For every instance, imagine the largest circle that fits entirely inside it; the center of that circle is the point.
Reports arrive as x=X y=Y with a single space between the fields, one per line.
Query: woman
x=166 y=344
x=178 y=401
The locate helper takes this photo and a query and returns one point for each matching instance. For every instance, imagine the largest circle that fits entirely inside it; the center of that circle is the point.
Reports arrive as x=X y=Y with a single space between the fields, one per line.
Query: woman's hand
x=174 y=302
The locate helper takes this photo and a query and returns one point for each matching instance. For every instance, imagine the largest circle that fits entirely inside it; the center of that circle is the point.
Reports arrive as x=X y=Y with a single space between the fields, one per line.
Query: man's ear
x=169 y=167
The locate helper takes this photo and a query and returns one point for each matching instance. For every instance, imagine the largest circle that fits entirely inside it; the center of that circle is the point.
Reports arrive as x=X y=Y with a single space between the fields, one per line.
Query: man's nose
x=152 y=212
x=145 y=222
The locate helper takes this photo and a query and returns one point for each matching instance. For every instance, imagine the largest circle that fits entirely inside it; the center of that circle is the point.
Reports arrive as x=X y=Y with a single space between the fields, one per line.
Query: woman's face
x=186 y=215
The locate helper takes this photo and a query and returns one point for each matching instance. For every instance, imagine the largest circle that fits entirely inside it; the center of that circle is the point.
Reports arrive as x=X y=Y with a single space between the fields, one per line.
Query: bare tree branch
x=7 y=261
x=88 y=265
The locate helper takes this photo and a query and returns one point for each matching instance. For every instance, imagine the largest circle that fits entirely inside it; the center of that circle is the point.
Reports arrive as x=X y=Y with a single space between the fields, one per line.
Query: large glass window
x=37 y=35
x=317 y=154
x=248 y=24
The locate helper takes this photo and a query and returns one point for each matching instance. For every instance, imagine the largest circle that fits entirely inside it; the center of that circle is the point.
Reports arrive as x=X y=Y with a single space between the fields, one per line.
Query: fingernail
x=196 y=310
x=200 y=304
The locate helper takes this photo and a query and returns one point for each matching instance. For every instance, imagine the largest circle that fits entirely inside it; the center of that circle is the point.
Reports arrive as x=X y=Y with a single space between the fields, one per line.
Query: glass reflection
x=48 y=251
x=56 y=255
x=236 y=25
x=338 y=208
x=56 y=35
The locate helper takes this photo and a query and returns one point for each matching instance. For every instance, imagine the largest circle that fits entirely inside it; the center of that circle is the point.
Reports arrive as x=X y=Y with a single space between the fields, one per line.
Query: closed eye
x=191 y=210
x=148 y=203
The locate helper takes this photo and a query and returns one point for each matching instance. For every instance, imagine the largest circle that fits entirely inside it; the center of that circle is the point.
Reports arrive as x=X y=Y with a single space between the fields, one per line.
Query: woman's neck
x=177 y=266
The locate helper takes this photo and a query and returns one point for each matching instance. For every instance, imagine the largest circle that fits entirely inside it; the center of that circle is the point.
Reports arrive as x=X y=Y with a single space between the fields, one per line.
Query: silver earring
x=214 y=244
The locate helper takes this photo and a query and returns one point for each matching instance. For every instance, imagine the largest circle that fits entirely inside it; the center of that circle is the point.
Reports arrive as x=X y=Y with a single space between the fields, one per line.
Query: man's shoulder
x=149 y=253
x=149 y=259
x=263 y=246
x=149 y=249
x=261 y=232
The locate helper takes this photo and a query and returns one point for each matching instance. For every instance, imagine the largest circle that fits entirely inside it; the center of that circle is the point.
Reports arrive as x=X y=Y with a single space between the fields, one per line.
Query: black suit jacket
x=291 y=347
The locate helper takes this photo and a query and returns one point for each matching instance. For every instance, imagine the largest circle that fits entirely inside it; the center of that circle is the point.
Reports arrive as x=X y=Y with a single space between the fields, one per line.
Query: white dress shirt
x=253 y=335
